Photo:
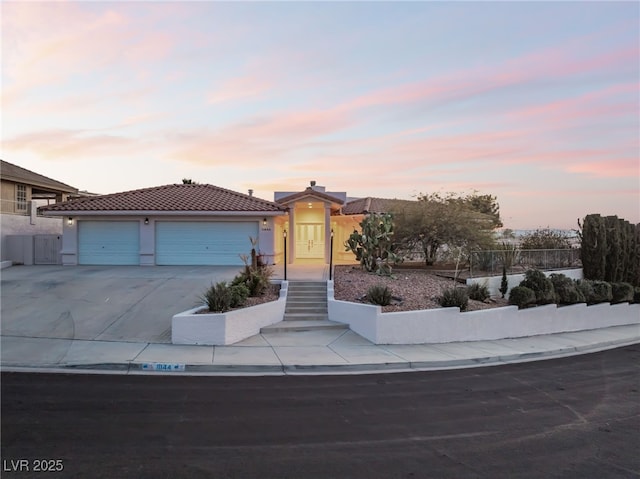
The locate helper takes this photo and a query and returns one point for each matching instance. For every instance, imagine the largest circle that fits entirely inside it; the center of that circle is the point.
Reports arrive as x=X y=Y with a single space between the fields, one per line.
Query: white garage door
x=203 y=243
x=109 y=242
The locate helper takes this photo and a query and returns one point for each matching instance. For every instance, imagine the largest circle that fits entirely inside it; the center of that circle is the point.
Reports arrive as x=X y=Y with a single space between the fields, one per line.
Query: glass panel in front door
x=310 y=240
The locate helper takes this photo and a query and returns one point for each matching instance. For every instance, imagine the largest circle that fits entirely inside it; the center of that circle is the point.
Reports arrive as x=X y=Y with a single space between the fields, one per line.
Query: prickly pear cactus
x=373 y=245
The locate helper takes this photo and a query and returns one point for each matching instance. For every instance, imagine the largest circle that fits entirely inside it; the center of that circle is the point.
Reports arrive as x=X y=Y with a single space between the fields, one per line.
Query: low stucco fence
x=446 y=325
x=220 y=329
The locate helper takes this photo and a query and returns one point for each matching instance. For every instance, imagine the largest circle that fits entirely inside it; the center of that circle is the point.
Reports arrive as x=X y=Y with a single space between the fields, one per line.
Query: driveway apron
x=109 y=303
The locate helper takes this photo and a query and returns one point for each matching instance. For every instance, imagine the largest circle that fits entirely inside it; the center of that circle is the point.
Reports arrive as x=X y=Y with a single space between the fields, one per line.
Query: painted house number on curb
x=169 y=367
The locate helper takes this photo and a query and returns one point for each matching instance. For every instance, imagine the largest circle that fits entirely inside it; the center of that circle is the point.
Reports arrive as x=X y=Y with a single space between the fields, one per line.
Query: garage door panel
x=109 y=242
x=203 y=243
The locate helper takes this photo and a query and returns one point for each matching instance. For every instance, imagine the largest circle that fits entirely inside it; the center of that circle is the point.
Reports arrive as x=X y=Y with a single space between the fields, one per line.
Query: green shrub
x=566 y=290
x=218 y=297
x=239 y=295
x=636 y=294
x=478 y=292
x=454 y=297
x=256 y=279
x=540 y=285
x=622 y=293
x=602 y=292
x=379 y=294
x=595 y=292
x=522 y=297
x=586 y=288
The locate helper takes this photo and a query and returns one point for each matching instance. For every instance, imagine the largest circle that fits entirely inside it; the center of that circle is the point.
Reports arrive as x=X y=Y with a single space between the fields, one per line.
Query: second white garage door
x=203 y=243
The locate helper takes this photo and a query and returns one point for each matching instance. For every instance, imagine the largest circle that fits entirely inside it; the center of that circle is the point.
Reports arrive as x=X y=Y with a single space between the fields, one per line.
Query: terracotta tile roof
x=371 y=205
x=11 y=172
x=196 y=197
x=310 y=192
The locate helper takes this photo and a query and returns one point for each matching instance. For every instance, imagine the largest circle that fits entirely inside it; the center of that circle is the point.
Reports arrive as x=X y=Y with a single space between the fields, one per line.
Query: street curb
x=131 y=368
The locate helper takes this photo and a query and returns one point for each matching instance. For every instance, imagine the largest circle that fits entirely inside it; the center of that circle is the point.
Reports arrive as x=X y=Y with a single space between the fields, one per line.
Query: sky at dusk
x=537 y=103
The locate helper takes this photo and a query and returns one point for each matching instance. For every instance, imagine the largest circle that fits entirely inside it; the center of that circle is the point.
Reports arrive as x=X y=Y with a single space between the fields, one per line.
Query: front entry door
x=310 y=240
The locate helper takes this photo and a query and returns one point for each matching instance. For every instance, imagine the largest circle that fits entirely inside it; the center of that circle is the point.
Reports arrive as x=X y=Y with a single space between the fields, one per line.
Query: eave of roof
x=196 y=199
x=309 y=192
x=17 y=174
x=369 y=204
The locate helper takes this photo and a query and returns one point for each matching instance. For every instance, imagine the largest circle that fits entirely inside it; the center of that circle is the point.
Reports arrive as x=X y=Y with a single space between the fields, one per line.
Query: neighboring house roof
x=194 y=197
x=310 y=192
x=15 y=173
x=363 y=206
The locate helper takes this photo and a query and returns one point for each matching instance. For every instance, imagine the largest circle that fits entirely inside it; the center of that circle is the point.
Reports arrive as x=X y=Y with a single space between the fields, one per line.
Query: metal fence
x=490 y=262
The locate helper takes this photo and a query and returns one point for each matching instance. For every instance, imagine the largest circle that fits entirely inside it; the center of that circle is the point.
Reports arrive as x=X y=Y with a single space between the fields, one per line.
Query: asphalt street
x=573 y=417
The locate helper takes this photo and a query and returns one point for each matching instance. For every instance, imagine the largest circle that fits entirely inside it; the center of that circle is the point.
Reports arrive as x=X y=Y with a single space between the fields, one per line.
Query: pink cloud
x=613 y=168
x=239 y=88
x=591 y=105
x=554 y=62
x=257 y=140
x=72 y=145
x=55 y=41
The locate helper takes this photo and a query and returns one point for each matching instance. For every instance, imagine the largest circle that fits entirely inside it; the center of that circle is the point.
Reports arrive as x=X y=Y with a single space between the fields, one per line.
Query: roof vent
x=313 y=183
x=250 y=192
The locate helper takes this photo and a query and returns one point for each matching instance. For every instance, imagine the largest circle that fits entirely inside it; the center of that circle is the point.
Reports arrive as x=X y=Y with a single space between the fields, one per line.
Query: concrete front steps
x=306 y=309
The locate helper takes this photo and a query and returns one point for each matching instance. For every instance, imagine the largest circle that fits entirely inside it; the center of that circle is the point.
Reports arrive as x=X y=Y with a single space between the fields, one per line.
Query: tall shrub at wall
x=593 y=249
x=613 y=261
x=632 y=260
x=625 y=247
x=610 y=249
x=635 y=280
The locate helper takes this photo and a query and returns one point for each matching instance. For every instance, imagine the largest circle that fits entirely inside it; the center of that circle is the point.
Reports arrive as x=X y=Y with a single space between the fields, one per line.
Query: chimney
x=313 y=183
x=250 y=192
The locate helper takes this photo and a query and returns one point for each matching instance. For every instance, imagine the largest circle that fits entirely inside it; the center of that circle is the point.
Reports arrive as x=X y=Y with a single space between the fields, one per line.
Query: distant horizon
x=376 y=99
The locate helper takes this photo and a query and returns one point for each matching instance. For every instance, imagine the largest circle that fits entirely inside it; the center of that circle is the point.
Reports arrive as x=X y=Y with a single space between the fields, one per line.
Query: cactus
x=373 y=246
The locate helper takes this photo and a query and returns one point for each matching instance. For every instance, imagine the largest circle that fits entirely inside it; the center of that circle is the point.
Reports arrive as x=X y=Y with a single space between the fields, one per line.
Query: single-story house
x=201 y=224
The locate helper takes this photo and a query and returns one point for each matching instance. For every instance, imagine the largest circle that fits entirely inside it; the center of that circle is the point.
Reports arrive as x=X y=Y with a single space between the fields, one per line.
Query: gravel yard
x=415 y=289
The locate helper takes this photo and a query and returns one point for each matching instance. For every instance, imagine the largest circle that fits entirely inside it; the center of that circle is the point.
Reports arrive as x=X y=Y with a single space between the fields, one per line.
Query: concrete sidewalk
x=305 y=352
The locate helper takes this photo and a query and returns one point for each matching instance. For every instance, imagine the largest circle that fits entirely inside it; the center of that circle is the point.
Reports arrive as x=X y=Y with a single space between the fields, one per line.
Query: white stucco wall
x=445 y=325
x=26 y=225
x=493 y=282
x=227 y=328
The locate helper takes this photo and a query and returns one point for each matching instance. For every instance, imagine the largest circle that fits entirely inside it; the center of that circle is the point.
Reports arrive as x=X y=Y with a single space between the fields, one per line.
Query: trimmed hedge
x=542 y=286
x=522 y=297
x=595 y=292
x=622 y=293
x=566 y=290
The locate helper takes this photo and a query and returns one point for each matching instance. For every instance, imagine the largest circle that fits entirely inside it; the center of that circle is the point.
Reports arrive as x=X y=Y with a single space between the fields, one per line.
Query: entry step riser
x=306 y=310
x=305 y=317
x=309 y=292
x=300 y=294
x=296 y=326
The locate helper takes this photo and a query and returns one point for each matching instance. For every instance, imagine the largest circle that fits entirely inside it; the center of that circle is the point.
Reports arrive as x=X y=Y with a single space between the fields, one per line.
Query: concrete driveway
x=108 y=303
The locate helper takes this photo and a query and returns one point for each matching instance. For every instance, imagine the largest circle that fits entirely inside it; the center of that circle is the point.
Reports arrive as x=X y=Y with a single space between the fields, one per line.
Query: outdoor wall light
x=70 y=221
x=146 y=221
x=264 y=221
